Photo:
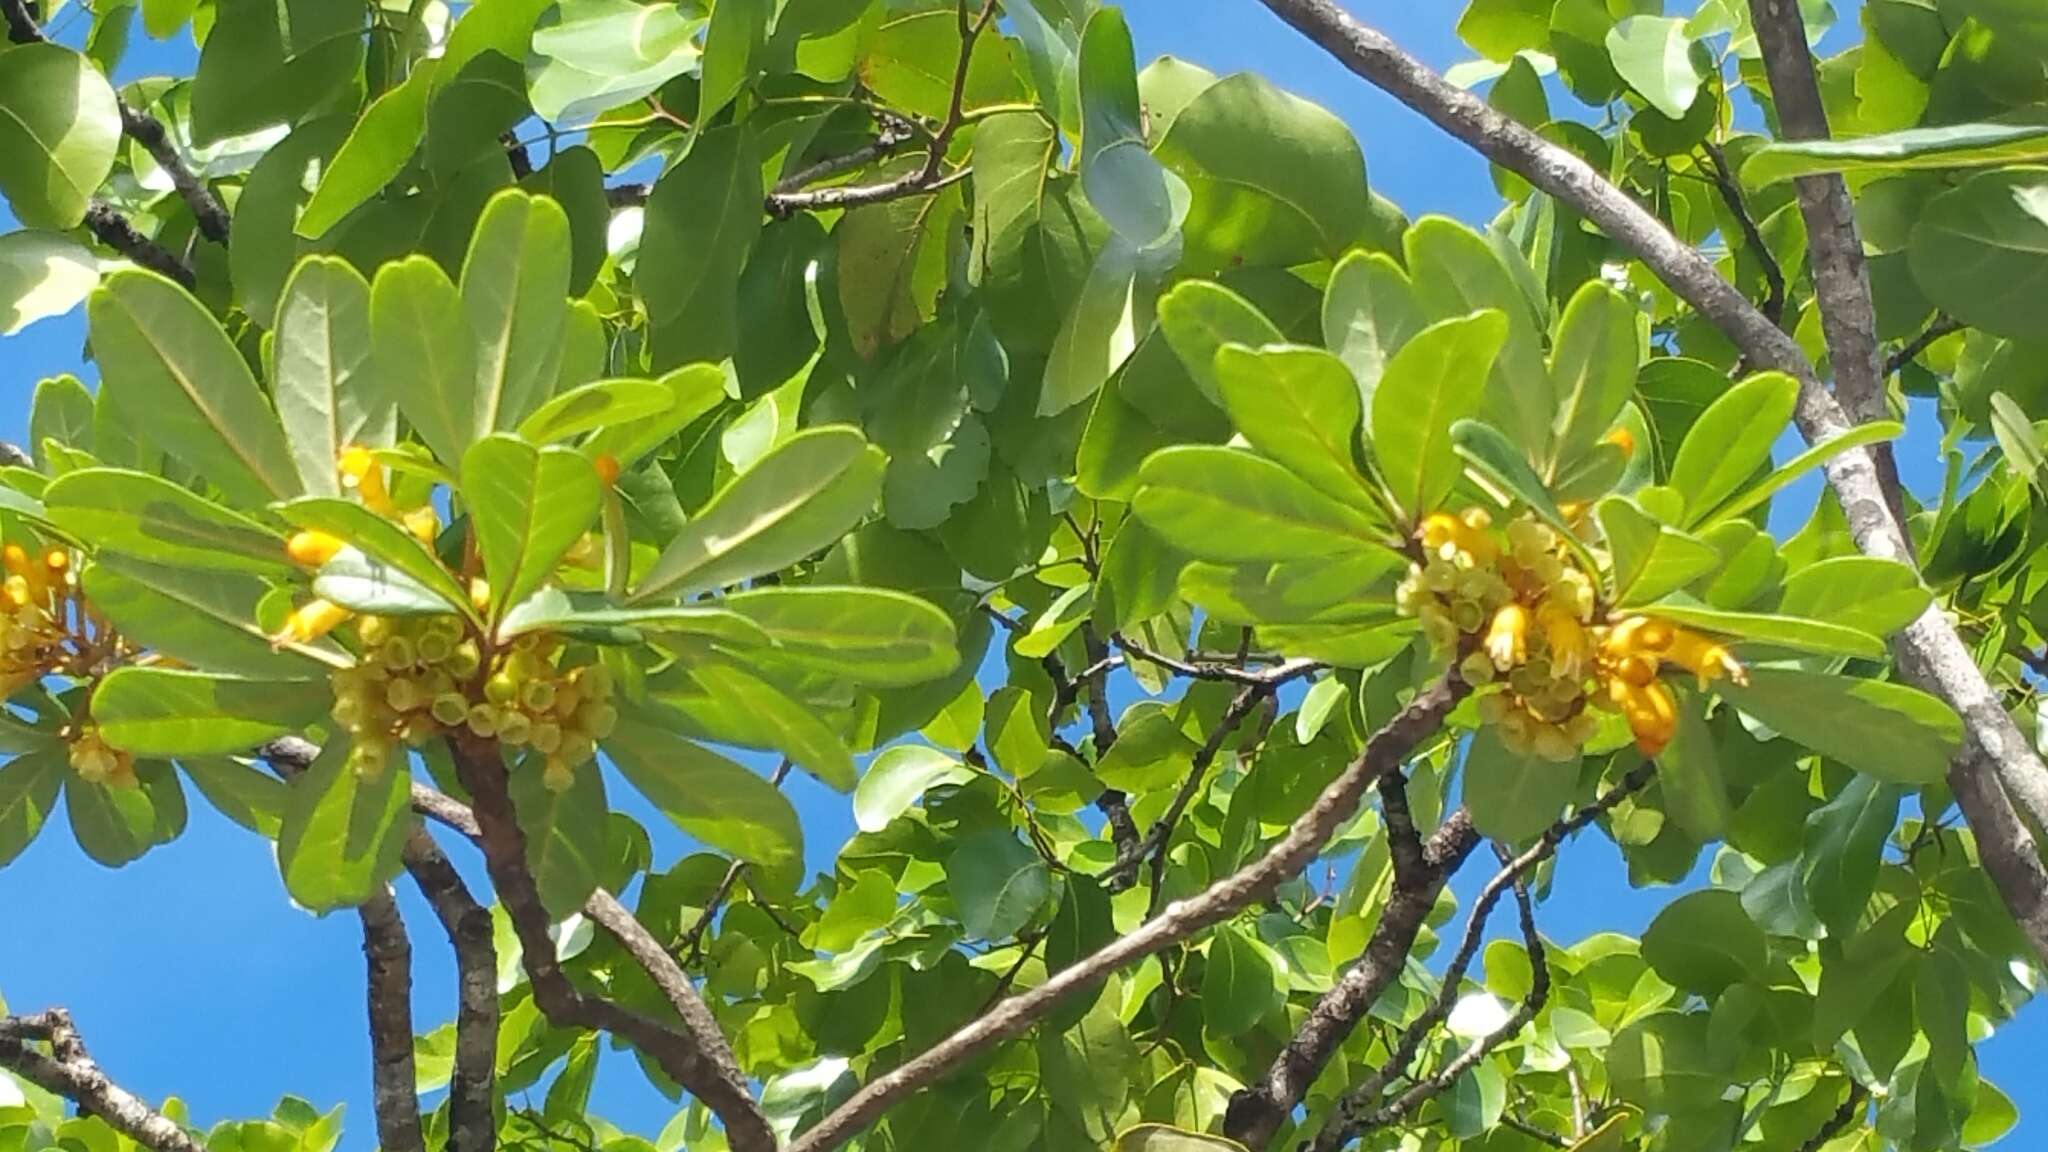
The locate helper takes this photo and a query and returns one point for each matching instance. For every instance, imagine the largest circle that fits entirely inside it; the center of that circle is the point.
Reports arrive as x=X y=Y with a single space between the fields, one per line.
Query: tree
x=947 y=370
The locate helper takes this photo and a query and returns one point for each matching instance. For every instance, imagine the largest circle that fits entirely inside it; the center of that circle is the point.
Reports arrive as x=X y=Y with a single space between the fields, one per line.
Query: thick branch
x=69 y=1072
x=1930 y=653
x=114 y=230
x=1385 y=752
x=699 y=1061
x=472 y=1124
x=387 y=952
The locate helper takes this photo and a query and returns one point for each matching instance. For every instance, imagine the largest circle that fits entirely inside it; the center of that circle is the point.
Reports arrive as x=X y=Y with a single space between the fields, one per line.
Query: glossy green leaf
x=709 y=797
x=599 y=404
x=1650 y=560
x=565 y=833
x=1665 y=1063
x=1689 y=773
x=1500 y=464
x=599 y=54
x=1432 y=383
x=730 y=705
x=897 y=778
x=1704 y=942
x=59 y=136
x=29 y=784
x=1894 y=733
x=1239 y=985
x=514 y=286
x=381 y=539
x=1843 y=848
x=1142 y=201
x=1756 y=494
x=341 y=835
x=206 y=620
x=266 y=63
x=360 y=582
x=42 y=274
x=1862 y=592
x=1825 y=637
x=375 y=152
x=154 y=519
x=731 y=43
x=1161 y=1138
x=327 y=395
x=1369 y=312
x=160 y=712
x=1199 y=317
x=115 y=824
x=1498 y=29
x=998 y=884
x=1658 y=58
x=245 y=794
x=1226 y=504
x=1593 y=368
x=1457 y=272
x=178 y=383
x=799 y=498
x=1300 y=407
x=863 y=635
x=422 y=349
x=1943 y=147
x=695 y=390
x=1513 y=797
x=1061 y=619
x=528 y=506
x=1100 y=332
x=702 y=219
x=1730 y=441
x=1980 y=251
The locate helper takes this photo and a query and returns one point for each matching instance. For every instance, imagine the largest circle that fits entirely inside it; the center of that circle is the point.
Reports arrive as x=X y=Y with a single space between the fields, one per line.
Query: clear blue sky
x=190 y=972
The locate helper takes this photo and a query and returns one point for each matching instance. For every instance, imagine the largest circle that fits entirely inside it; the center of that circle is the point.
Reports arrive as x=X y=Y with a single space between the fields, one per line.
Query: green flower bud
x=502 y=687
x=399 y=652
x=514 y=729
x=483 y=720
x=537 y=695
x=450 y=708
x=546 y=737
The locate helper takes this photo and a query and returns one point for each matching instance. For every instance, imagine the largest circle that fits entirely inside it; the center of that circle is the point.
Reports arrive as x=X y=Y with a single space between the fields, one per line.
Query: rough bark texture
x=1384 y=753
x=69 y=1072
x=701 y=1063
x=387 y=953
x=1995 y=756
x=472 y=1122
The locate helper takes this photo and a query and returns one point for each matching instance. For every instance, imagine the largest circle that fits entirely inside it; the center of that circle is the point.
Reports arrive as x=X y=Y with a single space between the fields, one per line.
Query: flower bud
x=312 y=549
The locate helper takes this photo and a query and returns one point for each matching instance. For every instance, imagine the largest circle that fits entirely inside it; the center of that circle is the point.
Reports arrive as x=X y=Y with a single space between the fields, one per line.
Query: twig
x=387 y=953
x=1850 y=1111
x=1271 y=677
x=1996 y=768
x=1773 y=306
x=1938 y=329
x=1534 y=1131
x=1385 y=751
x=691 y=943
x=1153 y=846
x=70 y=1072
x=113 y=229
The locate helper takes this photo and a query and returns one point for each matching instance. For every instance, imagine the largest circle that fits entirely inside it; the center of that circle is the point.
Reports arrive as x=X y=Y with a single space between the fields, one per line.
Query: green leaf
x=1912 y=149
x=1271 y=180
x=1226 y=504
x=59 y=135
x=266 y=62
x=29 y=784
x=115 y=824
x=1514 y=797
x=1704 y=942
x=160 y=712
x=1650 y=560
x=178 y=383
x=1895 y=733
x=207 y=620
x=1498 y=29
x=1432 y=383
x=528 y=506
x=597 y=405
x=1843 y=849
x=2019 y=440
x=327 y=397
x=735 y=36
x=1160 y=1138
x=1299 y=406
x=897 y=778
x=1068 y=611
x=1198 y=317
x=1980 y=251
x=62 y=410
x=154 y=519
x=702 y=219
x=997 y=883
x=1824 y=637
x=1099 y=334
x=423 y=351
x=1730 y=441
x=376 y=151
x=248 y=796
x=1689 y=772
x=1369 y=312
x=799 y=498
x=1239 y=985
x=864 y=635
x=1496 y=460
x=1593 y=368
x=1665 y=1063
x=341 y=835
x=696 y=390
x=565 y=833
x=730 y=705
x=1142 y=201
x=42 y=274
x=1861 y=592
x=381 y=540
x=709 y=797
x=515 y=284
x=596 y=55
x=1658 y=58
x=1756 y=494
x=363 y=583
x=553 y=609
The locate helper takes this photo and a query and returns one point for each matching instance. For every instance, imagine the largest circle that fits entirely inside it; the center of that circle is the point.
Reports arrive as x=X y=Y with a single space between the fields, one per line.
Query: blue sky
x=190 y=972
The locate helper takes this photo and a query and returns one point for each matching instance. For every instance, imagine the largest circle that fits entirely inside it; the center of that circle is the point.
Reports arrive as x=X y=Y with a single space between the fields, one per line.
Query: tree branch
x=698 y=1060
x=1938 y=329
x=1228 y=673
x=1773 y=306
x=114 y=230
x=387 y=952
x=1850 y=1111
x=69 y=1072
x=1153 y=846
x=1929 y=652
x=1385 y=752
x=472 y=1124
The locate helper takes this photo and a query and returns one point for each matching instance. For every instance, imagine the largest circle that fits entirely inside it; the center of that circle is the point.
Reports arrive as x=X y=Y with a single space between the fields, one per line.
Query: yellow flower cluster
x=35 y=629
x=1519 y=615
x=98 y=762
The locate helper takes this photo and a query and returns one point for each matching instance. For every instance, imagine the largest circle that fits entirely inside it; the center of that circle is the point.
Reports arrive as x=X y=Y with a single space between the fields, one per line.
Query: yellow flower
x=1705 y=658
x=361 y=474
x=1508 y=640
x=1565 y=637
x=313 y=549
x=1621 y=438
x=1652 y=715
x=423 y=524
x=311 y=622
x=1441 y=528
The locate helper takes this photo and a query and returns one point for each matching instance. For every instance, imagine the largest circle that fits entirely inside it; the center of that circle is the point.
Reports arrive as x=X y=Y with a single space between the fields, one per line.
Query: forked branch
x=67 y=1070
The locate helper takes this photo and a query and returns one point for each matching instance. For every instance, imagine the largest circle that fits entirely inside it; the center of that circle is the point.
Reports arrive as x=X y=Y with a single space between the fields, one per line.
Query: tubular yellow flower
x=1442 y=528
x=479 y=594
x=311 y=622
x=423 y=524
x=1705 y=658
x=1507 y=641
x=1565 y=637
x=1652 y=715
x=312 y=549
x=361 y=474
